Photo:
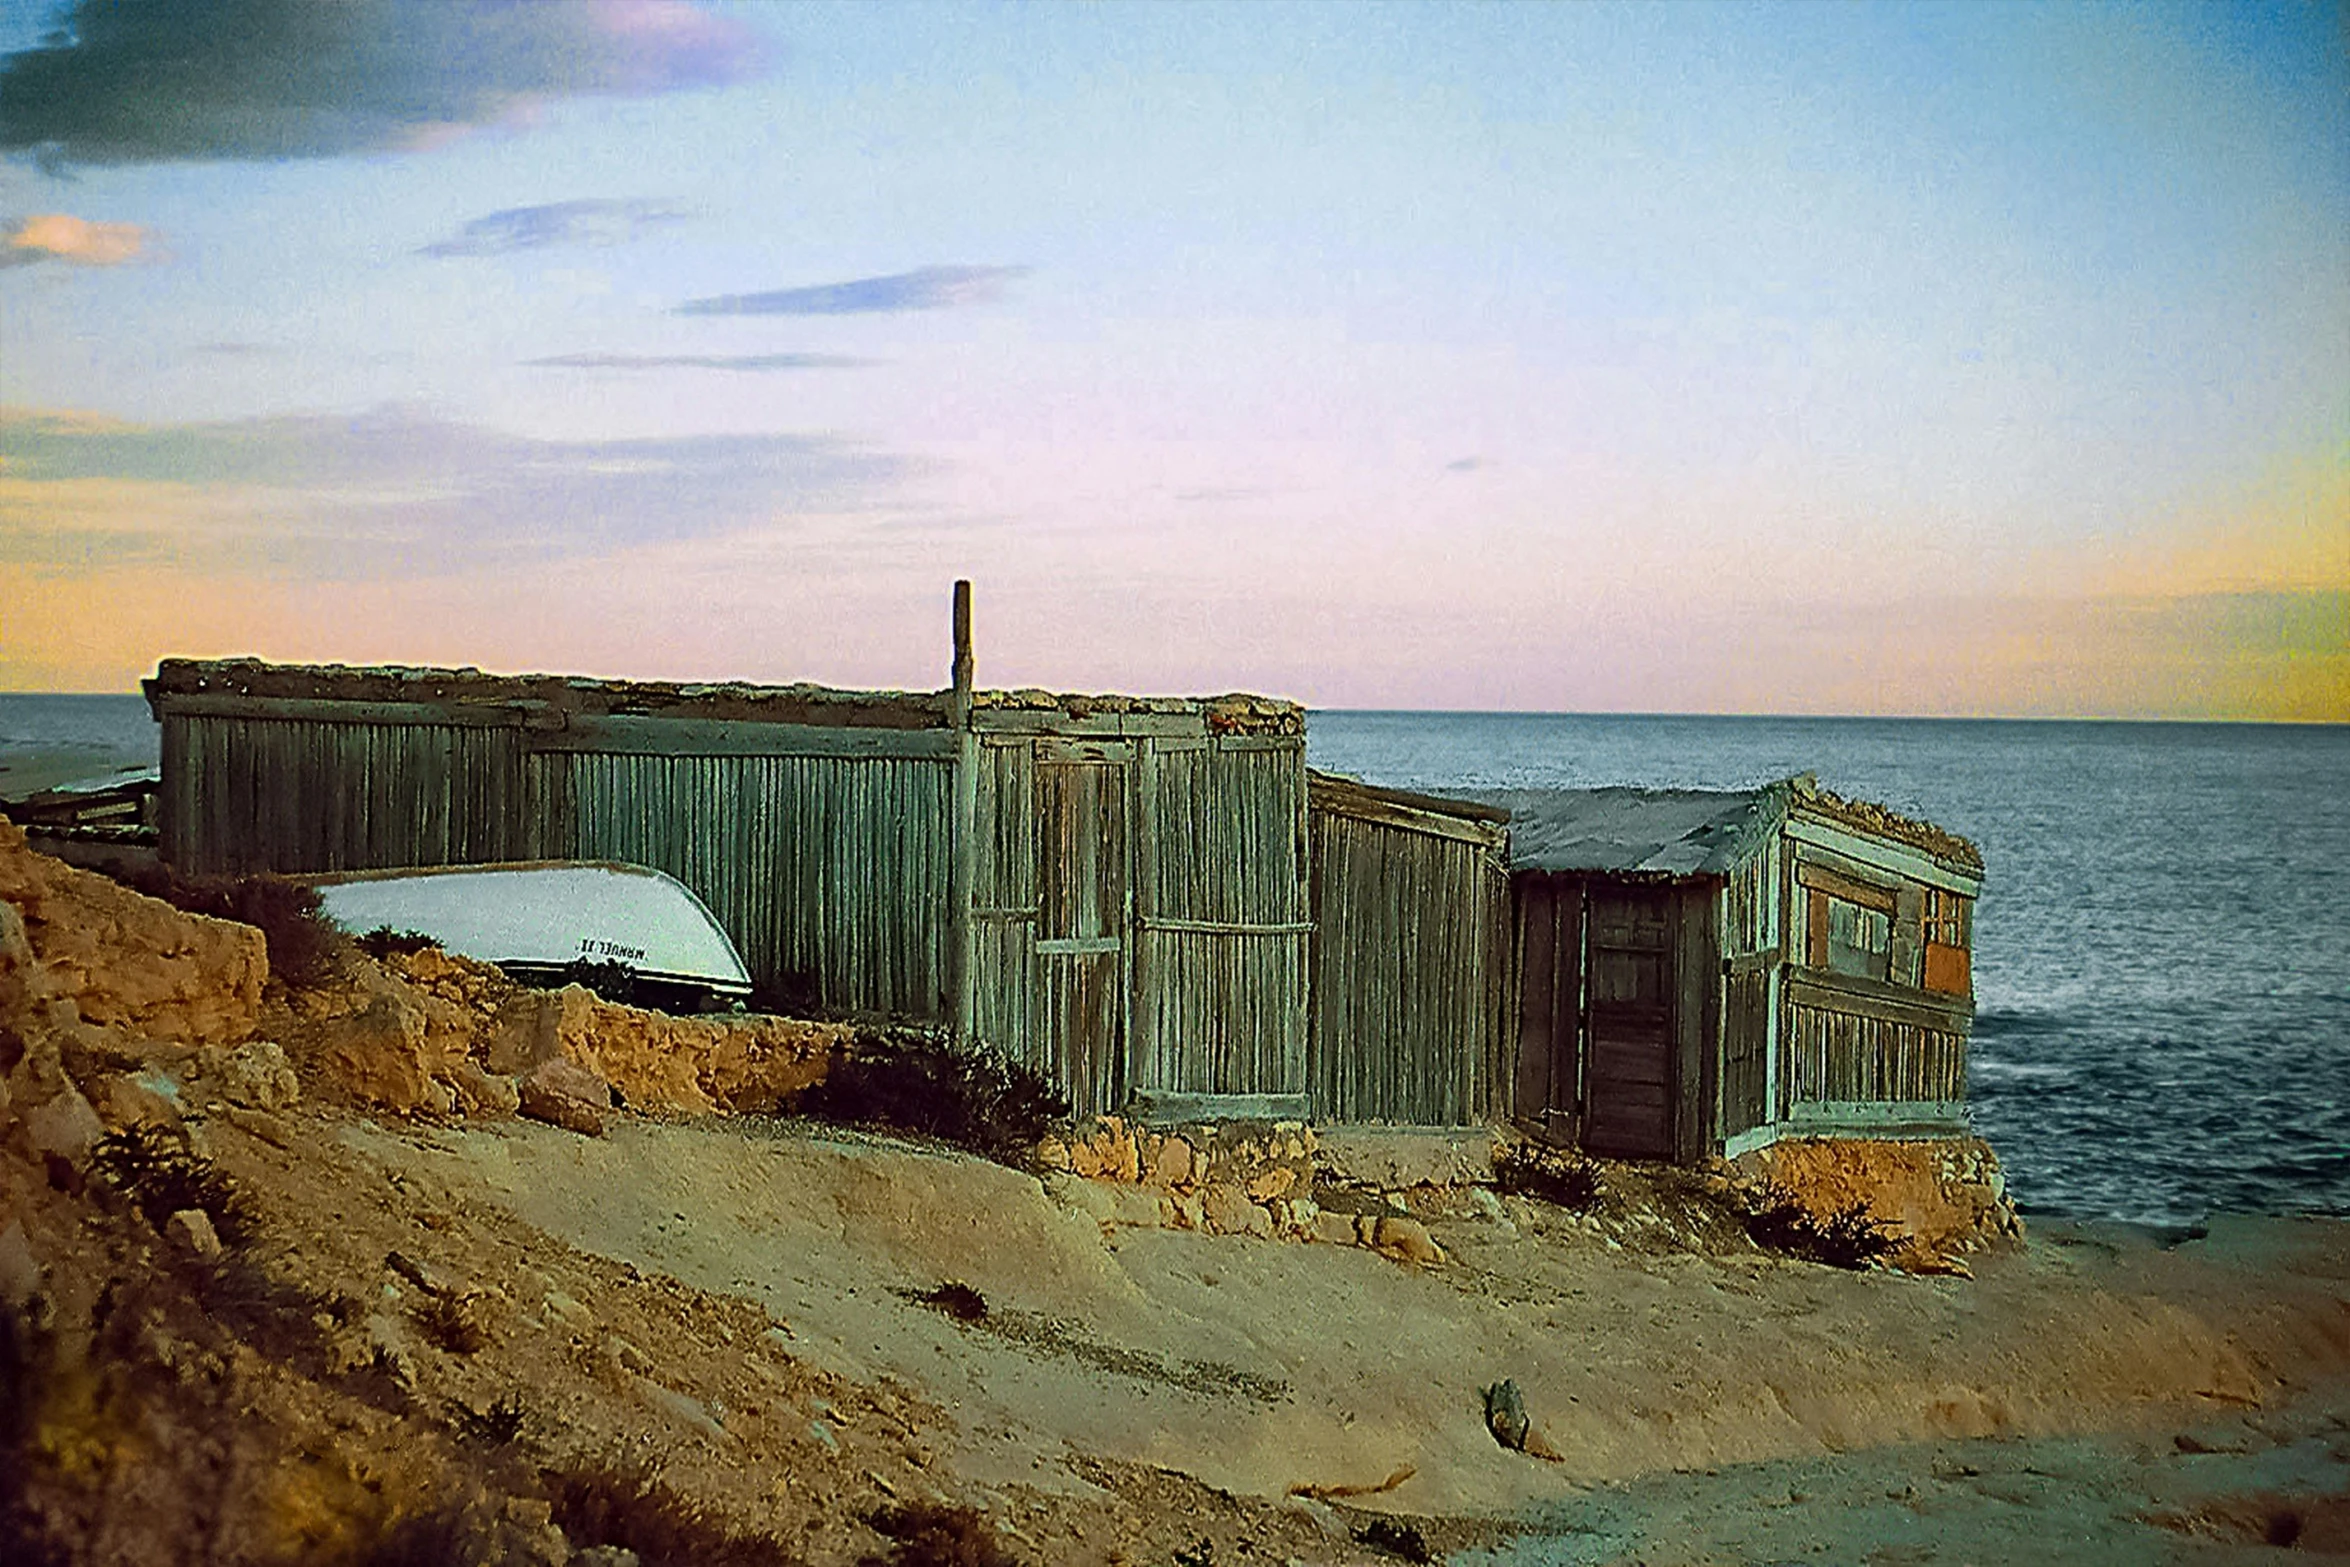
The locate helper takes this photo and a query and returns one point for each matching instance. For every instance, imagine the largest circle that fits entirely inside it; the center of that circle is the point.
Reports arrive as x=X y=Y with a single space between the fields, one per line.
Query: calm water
x=2163 y=963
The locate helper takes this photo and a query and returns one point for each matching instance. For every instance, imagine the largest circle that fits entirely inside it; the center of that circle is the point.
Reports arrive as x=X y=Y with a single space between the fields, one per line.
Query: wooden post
x=963 y=863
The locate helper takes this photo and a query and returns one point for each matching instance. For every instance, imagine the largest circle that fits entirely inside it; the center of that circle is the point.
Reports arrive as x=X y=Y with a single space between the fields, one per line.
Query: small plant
x=1396 y=1539
x=384 y=942
x=1202 y=1554
x=954 y=1298
x=496 y=1426
x=609 y=978
x=622 y=1505
x=912 y=1081
x=161 y=1175
x=930 y=1535
x=1851 y=1237
x=1567 y=1180
x=453 y=1323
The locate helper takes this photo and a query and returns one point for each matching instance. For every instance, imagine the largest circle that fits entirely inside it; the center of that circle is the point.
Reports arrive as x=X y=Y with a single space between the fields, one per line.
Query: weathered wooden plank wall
x=1411 y=955
x=829 y=872
x=299 y=795
x=1752 y=954
x=1221 y=924
x=1841 y=1053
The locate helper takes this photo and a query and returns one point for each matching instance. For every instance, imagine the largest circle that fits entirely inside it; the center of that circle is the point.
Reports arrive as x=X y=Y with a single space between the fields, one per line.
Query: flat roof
x=803 y=703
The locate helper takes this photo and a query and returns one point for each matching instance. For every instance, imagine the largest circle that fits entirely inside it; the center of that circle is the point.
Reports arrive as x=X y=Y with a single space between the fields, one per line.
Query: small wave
x=2000 y=1023
x=1982 y=1071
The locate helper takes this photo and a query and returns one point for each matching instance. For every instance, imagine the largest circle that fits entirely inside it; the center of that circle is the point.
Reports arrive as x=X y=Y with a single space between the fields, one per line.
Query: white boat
x=541 y=920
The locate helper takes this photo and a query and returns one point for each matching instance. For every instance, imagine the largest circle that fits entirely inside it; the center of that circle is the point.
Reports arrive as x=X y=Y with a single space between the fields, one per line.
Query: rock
x=1271 y=1182
x=570 y=1079
x=604 y=1556
x=20 y=1271
x=681 y=1407
x=192 y=1228
x=571 y=1313
x=573 y=1115
x=123 y=1101
x=260 y=1123
x=125 y=960
x=255 y=1074
x=1227 y=1208
x=1336 y=1229
x=64 y=1126
x=484 y=1094
x=389 y=1043
x=1505 y=1415
x=1173 y=1164
x=1407 y=1240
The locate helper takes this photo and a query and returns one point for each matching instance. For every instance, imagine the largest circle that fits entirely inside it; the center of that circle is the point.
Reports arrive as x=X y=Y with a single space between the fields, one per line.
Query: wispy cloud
x=398 y=492
x=747 y=362
x=59 y=236
x=259 y=79
x=926 y=288
x=1466 y=465
x=588 y=222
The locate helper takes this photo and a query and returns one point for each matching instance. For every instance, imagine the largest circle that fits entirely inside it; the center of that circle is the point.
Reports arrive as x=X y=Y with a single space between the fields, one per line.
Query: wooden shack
x=1700 y=973
x=1411 y=957
x=1110 y=888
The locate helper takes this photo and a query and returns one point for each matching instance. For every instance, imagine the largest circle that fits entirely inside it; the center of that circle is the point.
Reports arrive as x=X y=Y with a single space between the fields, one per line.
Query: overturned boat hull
x=547 y=920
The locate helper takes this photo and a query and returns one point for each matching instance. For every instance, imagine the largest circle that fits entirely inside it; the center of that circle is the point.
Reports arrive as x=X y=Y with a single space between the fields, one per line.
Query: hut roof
x=1651 y=832
x=1695 y=832
x=798 y=703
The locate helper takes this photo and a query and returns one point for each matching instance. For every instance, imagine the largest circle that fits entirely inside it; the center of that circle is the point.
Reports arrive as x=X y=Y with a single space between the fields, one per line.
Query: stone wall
x=1230 y=1178
x=1946 y=1195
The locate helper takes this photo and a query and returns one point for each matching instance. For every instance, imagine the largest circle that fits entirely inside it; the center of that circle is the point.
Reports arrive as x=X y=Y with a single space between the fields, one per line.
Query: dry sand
x=1703 y=1407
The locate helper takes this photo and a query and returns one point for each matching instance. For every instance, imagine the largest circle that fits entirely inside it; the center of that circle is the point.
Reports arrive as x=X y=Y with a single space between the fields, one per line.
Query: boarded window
x=1948 y=968
x=1848 y=925
x=1860 y=939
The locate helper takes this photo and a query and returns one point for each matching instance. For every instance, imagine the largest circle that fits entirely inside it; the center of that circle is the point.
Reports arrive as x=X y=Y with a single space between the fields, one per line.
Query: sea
x=2162 y=962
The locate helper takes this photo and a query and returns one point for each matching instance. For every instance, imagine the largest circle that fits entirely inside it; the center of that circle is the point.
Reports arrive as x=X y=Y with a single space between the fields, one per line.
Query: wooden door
x=1081 y=922
x=1549 y=1094
x=1629 y=1023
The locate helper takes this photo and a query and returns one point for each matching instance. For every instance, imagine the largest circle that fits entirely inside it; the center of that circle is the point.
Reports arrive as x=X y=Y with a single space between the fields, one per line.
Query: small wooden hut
x=1110 y=888
x=1700 y=973
x=1411 y=957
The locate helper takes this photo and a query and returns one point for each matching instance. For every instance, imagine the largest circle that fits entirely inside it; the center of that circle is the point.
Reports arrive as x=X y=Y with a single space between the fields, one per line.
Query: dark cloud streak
x=926 y=288
x=556 y=223
x=263 y=79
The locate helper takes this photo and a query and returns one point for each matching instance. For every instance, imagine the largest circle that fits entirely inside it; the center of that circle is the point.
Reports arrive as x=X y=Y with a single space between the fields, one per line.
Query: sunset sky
x=1976 y=359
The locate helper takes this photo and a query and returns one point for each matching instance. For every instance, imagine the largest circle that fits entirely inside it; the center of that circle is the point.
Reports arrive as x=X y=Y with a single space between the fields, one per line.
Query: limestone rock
x=1172 y=1165
x=125 y=960
x=123 y=1100
x=64 y=1126
x=1407 y=1240
x=1227 y=1208
x=192 y=1228
x=489 y=1095
x=256 y=1074
x=541 y=1103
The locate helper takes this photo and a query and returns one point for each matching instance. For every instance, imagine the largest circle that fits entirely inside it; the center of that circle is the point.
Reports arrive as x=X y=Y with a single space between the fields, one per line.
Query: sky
x=1989 y=359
